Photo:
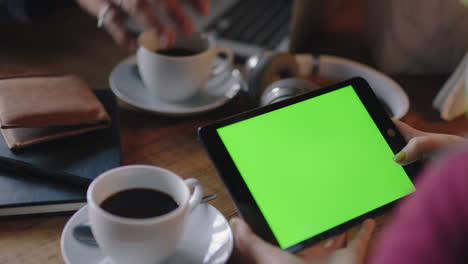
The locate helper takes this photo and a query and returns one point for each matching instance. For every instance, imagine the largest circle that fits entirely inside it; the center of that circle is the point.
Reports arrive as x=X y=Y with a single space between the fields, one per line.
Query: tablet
x=309 y=167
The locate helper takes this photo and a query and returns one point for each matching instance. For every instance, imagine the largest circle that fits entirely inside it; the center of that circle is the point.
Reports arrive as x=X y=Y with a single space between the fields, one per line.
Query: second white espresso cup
x=140 y=240
x=172 y=76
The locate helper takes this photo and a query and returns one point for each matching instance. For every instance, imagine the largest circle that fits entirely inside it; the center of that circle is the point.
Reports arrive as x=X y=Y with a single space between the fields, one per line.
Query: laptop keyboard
x=263 y=23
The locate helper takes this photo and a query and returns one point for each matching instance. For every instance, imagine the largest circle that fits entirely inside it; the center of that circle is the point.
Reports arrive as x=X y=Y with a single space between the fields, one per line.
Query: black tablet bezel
x=237 y=188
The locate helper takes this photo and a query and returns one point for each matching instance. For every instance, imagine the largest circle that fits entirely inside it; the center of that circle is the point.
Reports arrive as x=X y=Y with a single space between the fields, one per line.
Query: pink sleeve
x=431 y=225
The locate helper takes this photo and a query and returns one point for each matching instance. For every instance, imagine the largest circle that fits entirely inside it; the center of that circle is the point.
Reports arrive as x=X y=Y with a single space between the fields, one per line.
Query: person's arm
x=29 y=10
x=12 y=10
x=38 y=9
x=430 y=226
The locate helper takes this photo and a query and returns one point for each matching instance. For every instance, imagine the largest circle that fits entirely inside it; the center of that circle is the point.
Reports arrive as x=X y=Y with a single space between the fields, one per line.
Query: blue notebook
x=51 y=178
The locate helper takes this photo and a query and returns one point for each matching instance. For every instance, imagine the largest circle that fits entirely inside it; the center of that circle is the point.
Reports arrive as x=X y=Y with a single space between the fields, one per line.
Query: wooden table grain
x=70 y=43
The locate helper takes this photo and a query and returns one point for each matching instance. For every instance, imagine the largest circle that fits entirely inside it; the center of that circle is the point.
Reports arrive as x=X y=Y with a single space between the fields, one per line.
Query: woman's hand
x=249 y=248
x=116 y=12
x=422 y=144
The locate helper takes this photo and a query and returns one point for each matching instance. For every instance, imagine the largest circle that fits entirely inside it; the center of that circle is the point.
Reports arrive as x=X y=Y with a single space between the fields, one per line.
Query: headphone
x=275 y=76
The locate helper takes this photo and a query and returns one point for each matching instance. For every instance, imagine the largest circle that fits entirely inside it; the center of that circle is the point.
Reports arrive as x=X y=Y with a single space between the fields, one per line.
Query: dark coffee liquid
x=178 y=52
x=139 y=203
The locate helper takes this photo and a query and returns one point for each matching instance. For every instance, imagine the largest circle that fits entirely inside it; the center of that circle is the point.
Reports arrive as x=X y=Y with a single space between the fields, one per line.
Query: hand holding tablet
x=309 y=167
x=339 y=249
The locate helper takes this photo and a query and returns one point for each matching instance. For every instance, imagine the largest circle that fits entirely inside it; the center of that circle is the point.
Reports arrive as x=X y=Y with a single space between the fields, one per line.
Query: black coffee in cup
x=177 y=52
x=139 y=203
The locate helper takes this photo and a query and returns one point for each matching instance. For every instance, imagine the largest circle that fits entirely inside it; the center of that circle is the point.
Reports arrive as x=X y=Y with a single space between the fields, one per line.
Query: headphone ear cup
x=286 y=88
x=270 y=68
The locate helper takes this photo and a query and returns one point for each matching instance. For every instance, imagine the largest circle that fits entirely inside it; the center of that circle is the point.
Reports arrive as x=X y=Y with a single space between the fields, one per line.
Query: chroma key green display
x=310 y=176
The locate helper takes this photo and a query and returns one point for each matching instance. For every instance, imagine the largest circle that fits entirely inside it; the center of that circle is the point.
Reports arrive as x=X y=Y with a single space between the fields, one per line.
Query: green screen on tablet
x=315 y=164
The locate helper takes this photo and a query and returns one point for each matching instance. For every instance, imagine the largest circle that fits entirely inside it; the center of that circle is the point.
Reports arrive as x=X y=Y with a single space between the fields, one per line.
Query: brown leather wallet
x=42 y=108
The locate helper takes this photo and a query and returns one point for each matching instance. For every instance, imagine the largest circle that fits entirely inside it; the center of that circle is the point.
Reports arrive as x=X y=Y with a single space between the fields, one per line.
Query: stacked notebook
x=51 y=178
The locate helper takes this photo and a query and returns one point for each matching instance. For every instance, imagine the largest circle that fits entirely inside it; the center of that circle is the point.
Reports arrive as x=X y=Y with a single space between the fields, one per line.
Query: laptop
x=248 y=26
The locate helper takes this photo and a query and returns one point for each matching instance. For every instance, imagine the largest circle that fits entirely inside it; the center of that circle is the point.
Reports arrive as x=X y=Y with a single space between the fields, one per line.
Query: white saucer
x=208 y=239
x=126 y=84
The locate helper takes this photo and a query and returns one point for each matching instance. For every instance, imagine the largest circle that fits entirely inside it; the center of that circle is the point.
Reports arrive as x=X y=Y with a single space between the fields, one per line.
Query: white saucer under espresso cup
x=178 y=72
x=140 y=240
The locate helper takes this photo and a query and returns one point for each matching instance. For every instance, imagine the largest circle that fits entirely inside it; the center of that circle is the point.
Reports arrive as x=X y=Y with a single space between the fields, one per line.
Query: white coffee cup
x=140 y=240
x=176 y=78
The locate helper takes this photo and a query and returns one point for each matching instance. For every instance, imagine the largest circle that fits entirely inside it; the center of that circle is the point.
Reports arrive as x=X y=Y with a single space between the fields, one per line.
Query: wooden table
x=70 y=43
